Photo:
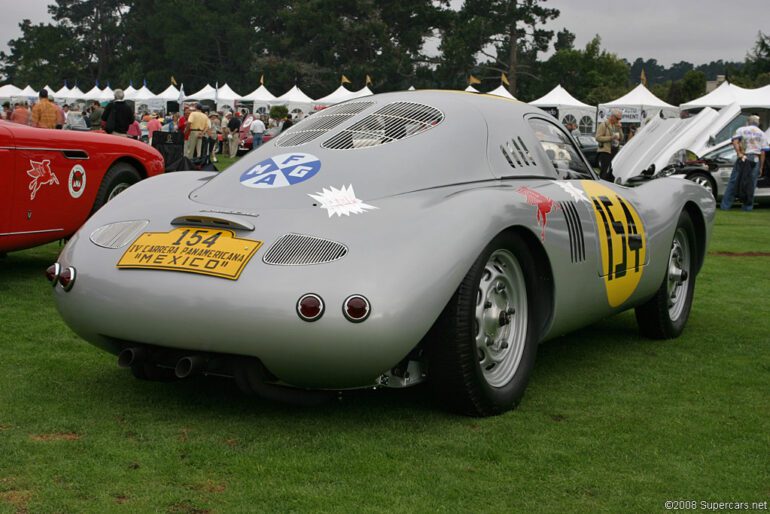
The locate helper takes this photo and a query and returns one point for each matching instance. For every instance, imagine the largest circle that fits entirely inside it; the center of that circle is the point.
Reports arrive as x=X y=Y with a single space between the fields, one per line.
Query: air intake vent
x=117 y=235
x=577 y=244
x=299 y=250
x=320 y=123
x=394 y=121
x=516 y=153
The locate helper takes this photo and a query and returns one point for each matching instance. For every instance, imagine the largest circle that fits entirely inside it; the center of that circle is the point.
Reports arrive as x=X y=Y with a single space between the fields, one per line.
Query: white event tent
x=205 y=93
x=727 y=94
x=145 y=100
x=298 y=103
x=129 y=92
x=638 y=105
x=364 y=91
x=170 y=94
x=93 y=94
x=471 y=89
x=261 y=98
x=226 y=95
x=8 y=91
x=501 y=91
x=28 y=91
x=341 y=94
x=567 y=109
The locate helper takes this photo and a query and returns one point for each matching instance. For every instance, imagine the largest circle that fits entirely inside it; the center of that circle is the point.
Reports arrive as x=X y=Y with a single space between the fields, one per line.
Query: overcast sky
x=670 y=31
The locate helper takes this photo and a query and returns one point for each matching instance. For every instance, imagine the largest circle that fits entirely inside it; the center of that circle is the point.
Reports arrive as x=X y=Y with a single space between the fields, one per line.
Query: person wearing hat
x=197 y=124
x=609 y=135
x=118 y=115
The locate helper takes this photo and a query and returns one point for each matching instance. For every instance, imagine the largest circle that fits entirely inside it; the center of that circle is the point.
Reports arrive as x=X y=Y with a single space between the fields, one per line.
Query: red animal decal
x=41 y=176
x=544 y=206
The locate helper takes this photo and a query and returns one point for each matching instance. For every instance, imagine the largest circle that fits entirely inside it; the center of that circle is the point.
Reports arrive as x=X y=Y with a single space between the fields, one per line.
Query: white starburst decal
x=576 y=194
x=341 y=201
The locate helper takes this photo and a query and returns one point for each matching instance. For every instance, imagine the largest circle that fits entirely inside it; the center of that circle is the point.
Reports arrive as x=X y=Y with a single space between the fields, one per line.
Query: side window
x=561 y=152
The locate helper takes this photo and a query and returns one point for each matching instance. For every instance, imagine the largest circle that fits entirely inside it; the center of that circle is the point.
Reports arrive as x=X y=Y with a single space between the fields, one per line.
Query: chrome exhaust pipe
x=131 y=356
x=188 y=366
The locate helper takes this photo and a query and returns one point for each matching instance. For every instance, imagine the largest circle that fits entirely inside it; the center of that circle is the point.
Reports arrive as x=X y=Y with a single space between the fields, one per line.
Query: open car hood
x=661 y=139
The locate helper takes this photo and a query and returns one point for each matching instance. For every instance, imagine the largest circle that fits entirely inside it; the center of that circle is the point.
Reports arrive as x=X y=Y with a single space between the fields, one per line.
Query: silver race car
x=399 y=238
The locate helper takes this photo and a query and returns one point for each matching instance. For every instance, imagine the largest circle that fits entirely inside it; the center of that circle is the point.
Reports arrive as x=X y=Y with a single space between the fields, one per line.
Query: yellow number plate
x=207 y=251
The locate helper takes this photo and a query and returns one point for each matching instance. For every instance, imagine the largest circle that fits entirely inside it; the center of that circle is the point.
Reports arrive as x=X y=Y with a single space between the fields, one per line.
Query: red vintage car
x=51 y=181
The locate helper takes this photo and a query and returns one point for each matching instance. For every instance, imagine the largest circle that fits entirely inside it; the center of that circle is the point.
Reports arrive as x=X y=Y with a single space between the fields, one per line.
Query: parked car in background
x=52 y=180
x=589 y=146
x=713 y=171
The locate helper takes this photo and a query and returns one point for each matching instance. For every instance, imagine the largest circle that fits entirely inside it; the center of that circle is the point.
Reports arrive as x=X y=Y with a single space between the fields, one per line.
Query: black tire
x=118 y=178
x=152 y=373
x=704 y=179
x=665 y=314
x=454 y=348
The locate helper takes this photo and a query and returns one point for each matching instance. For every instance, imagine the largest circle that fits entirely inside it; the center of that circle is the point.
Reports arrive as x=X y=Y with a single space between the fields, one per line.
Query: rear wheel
x=704 y=180
x=118 y=178
x=482 y=349
x=665 y=315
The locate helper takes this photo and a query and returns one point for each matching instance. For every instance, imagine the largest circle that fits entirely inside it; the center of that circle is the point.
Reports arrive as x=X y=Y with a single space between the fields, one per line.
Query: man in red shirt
x=20 y=114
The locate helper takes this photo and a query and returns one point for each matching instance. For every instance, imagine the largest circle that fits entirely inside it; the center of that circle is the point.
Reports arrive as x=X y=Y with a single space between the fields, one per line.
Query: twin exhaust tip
x=185 y=367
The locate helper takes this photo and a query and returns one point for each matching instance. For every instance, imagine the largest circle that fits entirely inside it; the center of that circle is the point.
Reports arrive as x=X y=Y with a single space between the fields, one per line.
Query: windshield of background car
x=729 y=129
x=561 y=152
x=587 y=141
x=724 y=155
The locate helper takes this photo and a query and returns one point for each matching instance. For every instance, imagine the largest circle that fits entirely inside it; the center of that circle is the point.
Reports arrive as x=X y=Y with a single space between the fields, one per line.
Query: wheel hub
x=501 y=318
x=678 y=274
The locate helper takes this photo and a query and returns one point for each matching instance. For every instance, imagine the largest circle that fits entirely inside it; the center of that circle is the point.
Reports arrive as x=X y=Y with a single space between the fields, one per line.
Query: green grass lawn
x=611 y=422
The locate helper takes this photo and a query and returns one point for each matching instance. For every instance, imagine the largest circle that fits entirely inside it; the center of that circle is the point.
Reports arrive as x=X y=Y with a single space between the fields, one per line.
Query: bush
x=278 y=112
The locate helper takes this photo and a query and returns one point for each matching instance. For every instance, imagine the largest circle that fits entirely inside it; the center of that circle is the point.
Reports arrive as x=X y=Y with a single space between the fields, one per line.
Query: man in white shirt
x=750 y=146
x=257 y=129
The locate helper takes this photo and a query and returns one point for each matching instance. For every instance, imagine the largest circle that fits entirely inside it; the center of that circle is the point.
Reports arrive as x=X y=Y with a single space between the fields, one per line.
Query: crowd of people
x=207 y=132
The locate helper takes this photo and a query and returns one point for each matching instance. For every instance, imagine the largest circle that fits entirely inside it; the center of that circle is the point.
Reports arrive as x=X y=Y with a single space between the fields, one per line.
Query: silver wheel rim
x=678 y=274
x=117 y=190
x=501 y=318
x=703 y=181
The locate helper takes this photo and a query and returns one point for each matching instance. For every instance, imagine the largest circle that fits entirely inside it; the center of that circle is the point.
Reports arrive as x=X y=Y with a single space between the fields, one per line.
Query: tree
x=565 y=40
x=593 y=75
x=758 y=60
x=508 y=33
x=96 y=25
x=42 y=55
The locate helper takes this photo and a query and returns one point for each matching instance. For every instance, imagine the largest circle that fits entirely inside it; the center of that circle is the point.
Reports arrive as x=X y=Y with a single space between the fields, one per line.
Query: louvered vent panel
x=321 y=123
x=516 y=153
x=300 y=250
x=577 y=244
x=394 y=121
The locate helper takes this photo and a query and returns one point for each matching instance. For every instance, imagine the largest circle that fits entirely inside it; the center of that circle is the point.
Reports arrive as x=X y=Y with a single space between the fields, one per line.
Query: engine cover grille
x=300 y=250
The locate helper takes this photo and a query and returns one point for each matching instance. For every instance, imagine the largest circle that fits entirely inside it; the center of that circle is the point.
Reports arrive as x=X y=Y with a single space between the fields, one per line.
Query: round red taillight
x=310 y=307
x=52 y=273
x=67 y=278
x=356 y=308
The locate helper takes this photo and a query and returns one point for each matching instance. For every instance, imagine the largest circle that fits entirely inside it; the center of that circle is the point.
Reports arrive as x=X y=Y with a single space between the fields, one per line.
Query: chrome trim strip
x=31 y=232
x=48 y=150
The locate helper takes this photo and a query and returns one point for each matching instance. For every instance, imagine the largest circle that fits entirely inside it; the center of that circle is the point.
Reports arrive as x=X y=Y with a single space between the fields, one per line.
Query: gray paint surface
x=439 y=201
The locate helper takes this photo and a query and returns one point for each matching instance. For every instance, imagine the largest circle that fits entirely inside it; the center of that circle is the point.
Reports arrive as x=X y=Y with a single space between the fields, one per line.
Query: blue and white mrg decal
x=282 y=170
